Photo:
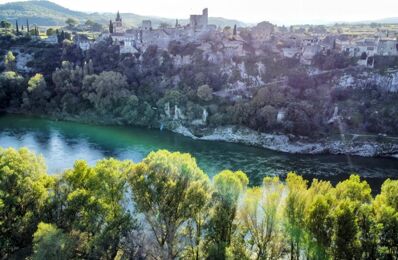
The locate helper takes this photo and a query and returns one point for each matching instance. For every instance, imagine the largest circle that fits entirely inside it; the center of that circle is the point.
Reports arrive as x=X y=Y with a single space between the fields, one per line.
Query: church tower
x=118 y=24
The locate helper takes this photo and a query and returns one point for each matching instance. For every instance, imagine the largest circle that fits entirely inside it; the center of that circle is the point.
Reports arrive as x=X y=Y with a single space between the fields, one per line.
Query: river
x=61 y=143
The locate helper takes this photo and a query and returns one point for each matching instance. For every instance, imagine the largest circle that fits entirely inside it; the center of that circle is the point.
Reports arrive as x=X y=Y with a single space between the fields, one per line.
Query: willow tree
x=319 y=219
x=170 y=190
x=296 y=201
x=228 y=187
x=260 y=218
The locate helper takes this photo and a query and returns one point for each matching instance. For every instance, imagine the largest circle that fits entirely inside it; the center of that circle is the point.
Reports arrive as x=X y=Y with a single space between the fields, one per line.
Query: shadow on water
x=61 y=143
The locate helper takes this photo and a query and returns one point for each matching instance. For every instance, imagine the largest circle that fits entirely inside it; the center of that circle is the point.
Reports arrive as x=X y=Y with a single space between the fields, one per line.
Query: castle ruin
x=199 y=21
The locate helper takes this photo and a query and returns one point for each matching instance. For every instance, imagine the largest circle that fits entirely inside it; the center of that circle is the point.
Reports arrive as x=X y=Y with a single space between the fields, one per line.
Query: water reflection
x=61 y=143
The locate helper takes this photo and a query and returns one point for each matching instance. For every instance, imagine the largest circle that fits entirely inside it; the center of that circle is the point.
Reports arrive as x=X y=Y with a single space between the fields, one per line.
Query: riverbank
x=348 y=144
x=375 y=146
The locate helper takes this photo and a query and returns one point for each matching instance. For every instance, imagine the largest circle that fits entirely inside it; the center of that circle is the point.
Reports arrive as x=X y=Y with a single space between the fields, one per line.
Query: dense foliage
x=103 y=86
x=166 y=207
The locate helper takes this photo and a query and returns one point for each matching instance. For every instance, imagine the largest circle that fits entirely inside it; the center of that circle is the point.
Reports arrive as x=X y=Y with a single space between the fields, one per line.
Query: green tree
x=93 y=205
x=169 y=189
x=260 y=218
x=5 y=24
x=50 y=32
x=386 y=208
x=345 y=242
x=9 y=61
x=36 y=82
x=37 y=93
x=24 y=193
x=107 y=92
x=319 y=219
x=94 y=26
x=49 y=242
x=296 y=201
x=354 y=190
x=11 y=87
x=228 y=187
x=71 y=22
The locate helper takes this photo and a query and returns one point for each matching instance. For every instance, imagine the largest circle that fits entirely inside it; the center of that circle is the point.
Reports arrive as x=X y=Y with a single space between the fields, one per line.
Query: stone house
x=387 y=47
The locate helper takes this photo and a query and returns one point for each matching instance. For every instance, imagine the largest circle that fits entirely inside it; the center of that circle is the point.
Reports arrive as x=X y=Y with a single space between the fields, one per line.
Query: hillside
x=46 y=13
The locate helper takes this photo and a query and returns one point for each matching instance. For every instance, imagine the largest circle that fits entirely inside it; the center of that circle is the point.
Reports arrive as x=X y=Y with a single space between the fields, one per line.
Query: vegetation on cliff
x=166 y=207
x=105 y=86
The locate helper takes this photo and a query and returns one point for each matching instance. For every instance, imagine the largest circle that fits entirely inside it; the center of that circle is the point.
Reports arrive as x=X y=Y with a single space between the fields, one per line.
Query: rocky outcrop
x=386 y=82
x=292 y=144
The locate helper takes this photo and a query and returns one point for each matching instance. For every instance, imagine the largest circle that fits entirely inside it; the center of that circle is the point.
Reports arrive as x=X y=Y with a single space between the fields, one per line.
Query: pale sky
x=276 y=11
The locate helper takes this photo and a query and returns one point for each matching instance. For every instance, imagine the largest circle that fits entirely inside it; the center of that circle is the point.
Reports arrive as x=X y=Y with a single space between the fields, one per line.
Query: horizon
x=254 y=11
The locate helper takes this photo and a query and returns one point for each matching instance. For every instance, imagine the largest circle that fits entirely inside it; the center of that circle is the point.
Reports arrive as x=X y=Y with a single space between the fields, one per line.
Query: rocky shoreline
x=284 y=143
x=276 y=142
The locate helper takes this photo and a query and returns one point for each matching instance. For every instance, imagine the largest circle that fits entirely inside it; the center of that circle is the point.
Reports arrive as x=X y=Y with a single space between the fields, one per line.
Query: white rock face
x=388 y=82
x=284 y=144
x=22 y=60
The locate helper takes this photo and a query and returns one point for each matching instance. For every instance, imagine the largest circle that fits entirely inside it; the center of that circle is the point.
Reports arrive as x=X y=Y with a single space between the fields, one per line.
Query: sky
x=251 y=11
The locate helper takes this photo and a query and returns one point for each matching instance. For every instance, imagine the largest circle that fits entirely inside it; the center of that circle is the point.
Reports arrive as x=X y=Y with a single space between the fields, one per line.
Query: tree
x=386 y=208
x=50 y=242
x=345 y=240
x=94 y=26
x=319 y=219
x=169 y=189
x=11 y=87
x=24 y=194
x=37 y=93
x=50 y=32
x=110 y=27
x=107 y=92
x=260 y=218
x=228 y=187
x=92 y=206
x=9 y=61
x=205 y=93
x=354 y=190
x=5 y=24
x=16 y=27
x=71 y=22
x=295 y=213
x=36 y=82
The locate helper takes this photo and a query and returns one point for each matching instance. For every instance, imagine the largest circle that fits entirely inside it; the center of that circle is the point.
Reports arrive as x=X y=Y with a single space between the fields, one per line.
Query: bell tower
x=118 y=24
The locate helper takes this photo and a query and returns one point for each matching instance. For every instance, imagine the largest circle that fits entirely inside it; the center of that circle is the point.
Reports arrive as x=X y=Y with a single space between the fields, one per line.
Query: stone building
x=387 y=47
x=118 y=24
x=200 y=21
x=146 y=25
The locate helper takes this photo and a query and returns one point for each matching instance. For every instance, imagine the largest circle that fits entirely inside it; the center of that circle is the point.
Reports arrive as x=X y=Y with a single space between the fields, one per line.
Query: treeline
x=166 y=207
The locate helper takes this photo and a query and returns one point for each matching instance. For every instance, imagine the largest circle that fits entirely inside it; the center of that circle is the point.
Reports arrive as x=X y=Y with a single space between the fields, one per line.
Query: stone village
x=297 y=42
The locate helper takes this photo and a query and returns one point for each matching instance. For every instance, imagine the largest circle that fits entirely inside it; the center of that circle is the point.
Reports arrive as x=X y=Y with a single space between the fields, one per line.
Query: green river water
x=61 y=143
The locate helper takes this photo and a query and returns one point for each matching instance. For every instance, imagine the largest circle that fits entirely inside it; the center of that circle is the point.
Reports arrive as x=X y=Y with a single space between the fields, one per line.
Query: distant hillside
x=387 y=20
x=46 y=13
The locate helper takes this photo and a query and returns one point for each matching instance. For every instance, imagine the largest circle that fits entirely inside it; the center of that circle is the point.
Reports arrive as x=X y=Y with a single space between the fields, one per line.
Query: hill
x=46 y=13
